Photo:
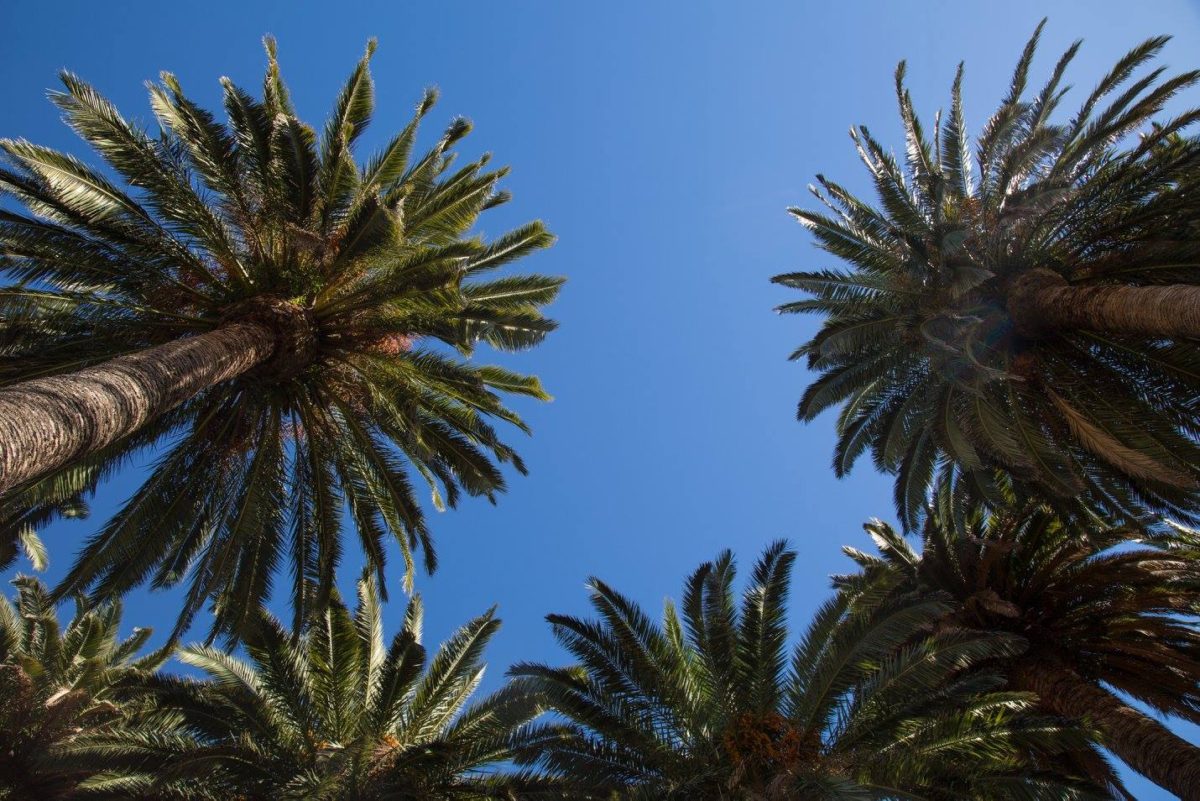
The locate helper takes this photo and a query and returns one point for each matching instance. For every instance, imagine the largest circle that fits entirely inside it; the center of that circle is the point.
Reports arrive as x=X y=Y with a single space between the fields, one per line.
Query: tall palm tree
x=338 y=714
x=61 y=692
x=709 y=706
x=1101 y=611
x=1028 y=323
x=279 y=314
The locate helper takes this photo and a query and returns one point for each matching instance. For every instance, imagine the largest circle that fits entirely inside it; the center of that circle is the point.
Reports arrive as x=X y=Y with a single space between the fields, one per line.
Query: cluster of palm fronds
x=978 y=668
x=1024 y=326
x=1017 y=338
x=333 y=713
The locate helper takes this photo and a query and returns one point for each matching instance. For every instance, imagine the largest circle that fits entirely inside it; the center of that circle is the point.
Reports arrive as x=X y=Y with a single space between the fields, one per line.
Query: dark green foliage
x=212 y=217
x=919 y=347
x=1117 y=605
x=709 y=703
x=338 y=714
x=64 y=700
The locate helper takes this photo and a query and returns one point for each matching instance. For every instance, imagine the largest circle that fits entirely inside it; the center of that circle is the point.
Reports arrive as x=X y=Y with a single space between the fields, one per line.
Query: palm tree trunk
x=1141 y=742
x=46 y=423
x=1042 y=301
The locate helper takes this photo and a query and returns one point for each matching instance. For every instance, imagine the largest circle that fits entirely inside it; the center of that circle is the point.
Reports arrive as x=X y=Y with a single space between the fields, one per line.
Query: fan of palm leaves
x=373 y=281
x=1020 y=319
x=1100 y=606
x=339 y=714
x=708 y=704
x=62 y=691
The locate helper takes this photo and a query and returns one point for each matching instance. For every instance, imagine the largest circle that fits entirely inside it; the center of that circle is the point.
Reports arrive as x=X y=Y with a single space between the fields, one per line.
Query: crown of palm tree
x=1001 y=326
x=338 y=714
x=368 y=278
x=1105 y=603
x=1124 y=605
x=61 y=691
x=707 y=705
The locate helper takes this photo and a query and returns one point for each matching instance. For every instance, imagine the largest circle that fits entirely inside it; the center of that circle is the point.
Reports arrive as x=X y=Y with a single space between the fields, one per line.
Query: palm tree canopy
x=62 y=690
x=708 y=704
x=928 y=343
x=1119 y=606
x=368 y=275
x=339 y=714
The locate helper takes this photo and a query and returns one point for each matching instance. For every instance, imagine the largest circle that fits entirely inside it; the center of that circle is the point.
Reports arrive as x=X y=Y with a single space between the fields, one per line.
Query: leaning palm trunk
x=1140 y=741
x=1042 y=301
x=46 y=423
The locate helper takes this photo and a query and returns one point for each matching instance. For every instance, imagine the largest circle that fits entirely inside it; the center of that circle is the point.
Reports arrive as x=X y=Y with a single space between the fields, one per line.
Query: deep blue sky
x=662 y=143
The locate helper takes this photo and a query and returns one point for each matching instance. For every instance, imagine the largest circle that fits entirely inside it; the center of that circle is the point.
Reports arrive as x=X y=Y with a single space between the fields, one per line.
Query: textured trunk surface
x=1042 y=301
x=48 y=422
x=1141 y=742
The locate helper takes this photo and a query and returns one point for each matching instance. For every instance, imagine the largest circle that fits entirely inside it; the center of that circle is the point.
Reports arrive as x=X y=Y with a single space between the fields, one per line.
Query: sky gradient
x=662 y=143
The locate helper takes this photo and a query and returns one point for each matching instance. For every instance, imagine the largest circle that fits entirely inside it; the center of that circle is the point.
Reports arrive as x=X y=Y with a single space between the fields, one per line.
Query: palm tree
x=282 y=316
x=710 y=707
x=62 y=691
x=338 y=714
x=1101 y=609
x=1028 y=326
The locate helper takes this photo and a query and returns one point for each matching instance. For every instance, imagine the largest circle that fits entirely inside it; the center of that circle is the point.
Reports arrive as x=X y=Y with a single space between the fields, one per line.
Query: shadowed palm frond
x=66 y=700
x=870 y=704
x=339 y=713
x=1113 y=606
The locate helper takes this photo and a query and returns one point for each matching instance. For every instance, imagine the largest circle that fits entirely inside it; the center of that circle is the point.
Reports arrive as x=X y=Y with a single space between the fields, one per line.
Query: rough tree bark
x=48 y=422
x=1141 y=742
x=1042 y=301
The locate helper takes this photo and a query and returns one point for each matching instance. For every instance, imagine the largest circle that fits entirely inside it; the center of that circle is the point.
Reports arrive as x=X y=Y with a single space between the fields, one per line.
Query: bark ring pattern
x=295 y=334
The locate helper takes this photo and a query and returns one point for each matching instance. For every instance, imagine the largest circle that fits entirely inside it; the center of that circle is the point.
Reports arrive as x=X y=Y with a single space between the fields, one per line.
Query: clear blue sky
x=662 y=143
